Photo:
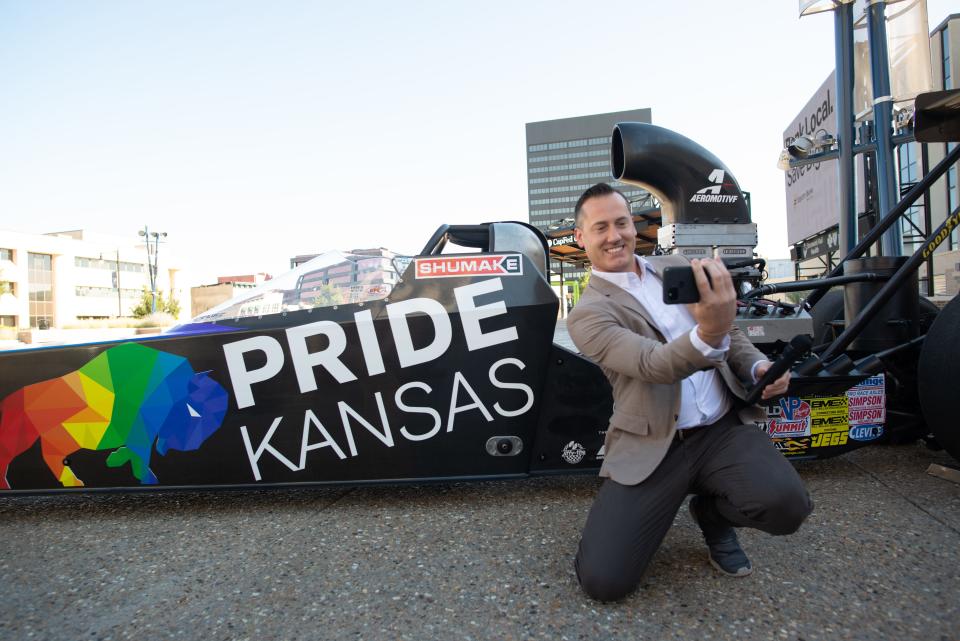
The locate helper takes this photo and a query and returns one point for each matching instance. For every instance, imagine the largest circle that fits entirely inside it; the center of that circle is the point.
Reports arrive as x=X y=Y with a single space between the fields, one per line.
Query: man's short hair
x=600 y=189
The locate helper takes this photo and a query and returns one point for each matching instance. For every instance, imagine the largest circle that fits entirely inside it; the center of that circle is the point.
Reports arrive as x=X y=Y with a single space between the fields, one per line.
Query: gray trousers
x=747 y=483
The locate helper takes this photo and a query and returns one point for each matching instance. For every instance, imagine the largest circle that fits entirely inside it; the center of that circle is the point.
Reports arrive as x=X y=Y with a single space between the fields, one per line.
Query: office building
x=815 y=250
x=565 y=157
x=945 y=193
x=53 y=280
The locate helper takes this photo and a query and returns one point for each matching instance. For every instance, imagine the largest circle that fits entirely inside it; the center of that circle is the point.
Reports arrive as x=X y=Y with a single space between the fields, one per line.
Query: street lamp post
x=152 y=260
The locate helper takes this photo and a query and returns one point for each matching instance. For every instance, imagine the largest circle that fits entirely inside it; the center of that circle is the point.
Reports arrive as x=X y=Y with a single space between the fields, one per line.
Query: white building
x=55 y=279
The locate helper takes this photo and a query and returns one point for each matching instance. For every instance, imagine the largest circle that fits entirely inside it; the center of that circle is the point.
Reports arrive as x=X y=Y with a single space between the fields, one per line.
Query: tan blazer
x=610 y=327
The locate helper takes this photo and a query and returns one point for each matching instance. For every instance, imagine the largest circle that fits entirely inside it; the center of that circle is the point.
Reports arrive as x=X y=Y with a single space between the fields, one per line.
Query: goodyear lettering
x=829 y=439
x=941 y=236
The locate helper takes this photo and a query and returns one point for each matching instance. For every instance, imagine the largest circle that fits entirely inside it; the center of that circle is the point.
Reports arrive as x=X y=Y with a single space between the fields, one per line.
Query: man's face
x=607 y=233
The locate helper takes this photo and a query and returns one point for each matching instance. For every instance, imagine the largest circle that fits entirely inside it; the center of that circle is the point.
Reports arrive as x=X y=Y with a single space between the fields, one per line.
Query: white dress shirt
x=704 y=398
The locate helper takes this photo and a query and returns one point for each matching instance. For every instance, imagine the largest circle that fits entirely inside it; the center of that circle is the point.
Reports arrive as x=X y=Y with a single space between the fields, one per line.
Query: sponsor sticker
x=779 y=427
x=713 y=192
x=573 y=453
x=791 y=417
x=873 y=381
x=791 y=445
x=866 y=432
x=865 y=416
x=460 y=266
x=755 y=330
x=829 y=439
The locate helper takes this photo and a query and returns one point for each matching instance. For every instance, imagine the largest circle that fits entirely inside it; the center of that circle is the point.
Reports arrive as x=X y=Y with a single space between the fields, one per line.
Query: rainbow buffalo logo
x=126 y=399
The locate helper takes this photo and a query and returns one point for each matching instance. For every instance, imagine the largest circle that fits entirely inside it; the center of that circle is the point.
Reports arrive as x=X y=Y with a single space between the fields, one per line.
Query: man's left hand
x=777 y=387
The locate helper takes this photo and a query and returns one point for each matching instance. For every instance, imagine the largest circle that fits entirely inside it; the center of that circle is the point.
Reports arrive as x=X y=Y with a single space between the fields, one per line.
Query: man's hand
x=776 y=388
x=718 y=300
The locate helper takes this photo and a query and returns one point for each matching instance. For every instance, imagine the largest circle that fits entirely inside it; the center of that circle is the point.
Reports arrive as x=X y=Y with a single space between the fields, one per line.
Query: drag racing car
x=440 y=366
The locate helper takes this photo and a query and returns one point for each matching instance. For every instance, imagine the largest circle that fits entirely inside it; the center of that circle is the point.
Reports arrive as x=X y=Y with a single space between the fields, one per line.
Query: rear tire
x=827 y=310
x=937 y=374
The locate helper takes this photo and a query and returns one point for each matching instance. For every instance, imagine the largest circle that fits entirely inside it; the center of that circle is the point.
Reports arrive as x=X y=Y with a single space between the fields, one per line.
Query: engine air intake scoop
x=692 y=185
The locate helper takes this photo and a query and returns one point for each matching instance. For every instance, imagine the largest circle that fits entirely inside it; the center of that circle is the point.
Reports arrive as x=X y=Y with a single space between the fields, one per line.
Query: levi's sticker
x=460 y=266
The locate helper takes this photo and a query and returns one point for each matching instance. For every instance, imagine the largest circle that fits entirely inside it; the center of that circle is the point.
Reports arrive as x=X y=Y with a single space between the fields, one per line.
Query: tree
x=326 y=296
x=145 y=306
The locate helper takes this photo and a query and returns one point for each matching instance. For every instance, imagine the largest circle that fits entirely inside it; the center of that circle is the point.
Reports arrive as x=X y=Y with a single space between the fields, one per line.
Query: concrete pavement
x=878 y=559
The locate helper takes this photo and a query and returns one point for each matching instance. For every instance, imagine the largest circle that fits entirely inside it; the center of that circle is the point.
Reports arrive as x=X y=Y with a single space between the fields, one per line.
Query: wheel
x=827 y=310
x=937 y=373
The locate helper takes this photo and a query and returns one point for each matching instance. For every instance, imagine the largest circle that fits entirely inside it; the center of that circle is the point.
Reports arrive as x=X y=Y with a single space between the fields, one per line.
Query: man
x=677 y=375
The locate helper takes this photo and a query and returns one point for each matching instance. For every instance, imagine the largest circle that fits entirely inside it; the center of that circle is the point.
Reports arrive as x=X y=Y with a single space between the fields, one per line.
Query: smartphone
x=679 y=285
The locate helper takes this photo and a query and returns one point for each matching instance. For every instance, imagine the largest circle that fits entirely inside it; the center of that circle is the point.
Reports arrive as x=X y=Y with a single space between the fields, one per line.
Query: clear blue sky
x=254 y=131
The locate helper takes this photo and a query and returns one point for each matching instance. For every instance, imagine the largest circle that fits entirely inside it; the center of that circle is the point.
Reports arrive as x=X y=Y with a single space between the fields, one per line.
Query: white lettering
x=309 y=418
x=368 y=342
x=458 y=381
x=413 y=409
x=304 y=361
x=240 y=376
x=386 y=437
x=471 y=314
x=399 y=326
x=265 y=447
x=503 y=385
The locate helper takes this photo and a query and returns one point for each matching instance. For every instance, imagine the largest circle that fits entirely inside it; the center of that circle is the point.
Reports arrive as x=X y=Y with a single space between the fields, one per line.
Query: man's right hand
x=718 y=300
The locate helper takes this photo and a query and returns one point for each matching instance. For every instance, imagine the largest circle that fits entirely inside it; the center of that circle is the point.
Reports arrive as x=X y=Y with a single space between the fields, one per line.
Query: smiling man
x=678 y=374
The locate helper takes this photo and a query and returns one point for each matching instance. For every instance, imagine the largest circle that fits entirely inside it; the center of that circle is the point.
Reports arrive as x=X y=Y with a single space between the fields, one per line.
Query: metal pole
x=563 y=294
x=892 y=216
x=891 y=244
x=153 y=270
x=119 y=300
x=927 y=217
x=843 y=25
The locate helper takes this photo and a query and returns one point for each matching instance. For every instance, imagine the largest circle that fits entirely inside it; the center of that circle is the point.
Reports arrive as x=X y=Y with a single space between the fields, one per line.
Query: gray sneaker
x=725 y=552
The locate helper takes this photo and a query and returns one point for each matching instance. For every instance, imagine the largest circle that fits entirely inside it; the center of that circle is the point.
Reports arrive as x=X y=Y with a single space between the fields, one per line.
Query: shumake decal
x=460 y=266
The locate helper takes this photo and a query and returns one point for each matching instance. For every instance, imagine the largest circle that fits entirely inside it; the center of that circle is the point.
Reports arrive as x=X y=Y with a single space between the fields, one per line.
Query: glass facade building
x=564 y=158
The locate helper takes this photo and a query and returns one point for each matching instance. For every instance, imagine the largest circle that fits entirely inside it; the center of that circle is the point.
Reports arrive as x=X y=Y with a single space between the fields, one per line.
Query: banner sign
x=812 y=191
